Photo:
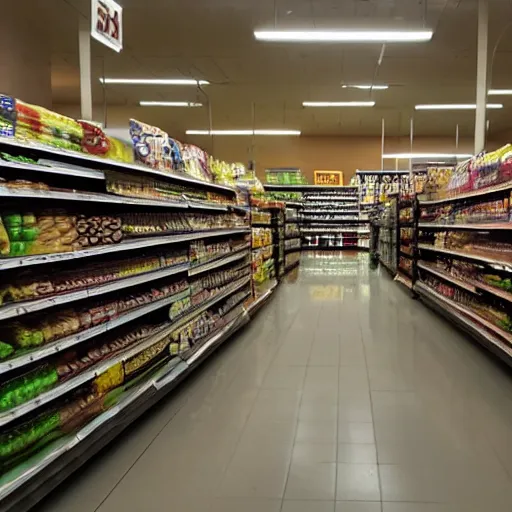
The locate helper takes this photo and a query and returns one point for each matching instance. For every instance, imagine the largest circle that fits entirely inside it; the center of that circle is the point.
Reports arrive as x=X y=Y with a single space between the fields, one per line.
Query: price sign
x=107 y=23
x=332 y=178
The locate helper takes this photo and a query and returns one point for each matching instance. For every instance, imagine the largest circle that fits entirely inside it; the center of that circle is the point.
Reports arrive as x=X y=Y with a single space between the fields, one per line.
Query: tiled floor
x=343 y=395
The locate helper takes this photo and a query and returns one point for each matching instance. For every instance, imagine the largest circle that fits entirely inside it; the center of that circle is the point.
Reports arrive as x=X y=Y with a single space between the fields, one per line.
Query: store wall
x=25 y=65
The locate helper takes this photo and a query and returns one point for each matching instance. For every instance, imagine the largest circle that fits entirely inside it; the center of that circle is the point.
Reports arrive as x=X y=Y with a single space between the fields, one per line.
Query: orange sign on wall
x=332 y=178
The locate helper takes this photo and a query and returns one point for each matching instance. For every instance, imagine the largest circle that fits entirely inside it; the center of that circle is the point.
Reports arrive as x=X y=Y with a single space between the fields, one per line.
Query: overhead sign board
x=333 y=178
x=107 y=23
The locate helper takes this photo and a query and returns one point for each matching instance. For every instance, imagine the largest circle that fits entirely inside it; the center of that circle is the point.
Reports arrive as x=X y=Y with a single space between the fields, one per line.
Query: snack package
x=196 y=163
x=94 y=141
x=42 y=125
x=151 y=146
x=119 y=150
x=7 y=116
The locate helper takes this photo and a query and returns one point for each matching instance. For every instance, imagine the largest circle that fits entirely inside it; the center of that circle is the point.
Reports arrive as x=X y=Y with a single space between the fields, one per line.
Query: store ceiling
x=267 y=82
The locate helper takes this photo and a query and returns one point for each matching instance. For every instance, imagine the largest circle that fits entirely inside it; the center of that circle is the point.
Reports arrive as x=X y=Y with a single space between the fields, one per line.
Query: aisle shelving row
x=167 y=271
x=454 y=251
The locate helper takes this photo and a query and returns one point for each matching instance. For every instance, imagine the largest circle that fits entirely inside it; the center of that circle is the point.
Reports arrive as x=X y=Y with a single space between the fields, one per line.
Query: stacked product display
x=330 y=218
x=455 y=248
x=164 y=277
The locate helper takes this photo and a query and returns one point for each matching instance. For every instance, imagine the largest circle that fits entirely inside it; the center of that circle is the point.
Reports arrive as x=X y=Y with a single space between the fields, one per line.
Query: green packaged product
x=18 y=248
x=28 y=386
x=23 y=437
x=5 y=350
x=22 y=336
x=5 y=245
x=12 y=220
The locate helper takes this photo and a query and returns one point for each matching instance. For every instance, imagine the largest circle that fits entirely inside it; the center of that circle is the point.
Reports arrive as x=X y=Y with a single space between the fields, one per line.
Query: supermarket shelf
x=292 y=249
x=403 y=279
x=261 y=224
x=74 y=339
x=339 y=212
x=15 y=309
x=492 y=289
x=475 y=193
x=291 y=266
x=305 y=188
x=380 y=172
x=262 y=247
x=30 y=485
x=73 y=383
x=254 y=307
x=470 y=322
x=293 y=204
x=334 y=221
x=388 y=267
x=338 y=232
x=90 y=197
x=329 y=248
x=332 y=198
x=447 y=277
x=201 y=308
x=103 y=163
x=468 y=255
x=127 y=245
x=220 y=261
x=479 y=227
x=293 y=237
x=51 y=169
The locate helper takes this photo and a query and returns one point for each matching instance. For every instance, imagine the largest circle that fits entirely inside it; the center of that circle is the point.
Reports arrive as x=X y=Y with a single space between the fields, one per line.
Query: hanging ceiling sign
x=107 y=23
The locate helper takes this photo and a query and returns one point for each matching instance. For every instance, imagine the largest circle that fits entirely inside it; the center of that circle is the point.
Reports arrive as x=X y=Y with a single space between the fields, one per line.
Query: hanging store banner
x=107 y=23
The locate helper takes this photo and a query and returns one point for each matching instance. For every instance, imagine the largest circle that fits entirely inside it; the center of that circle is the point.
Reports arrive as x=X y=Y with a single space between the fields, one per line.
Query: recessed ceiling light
x=499 y=92
x=341 y=36
x=365 y=87
x=338 y=103
x=455 y=106
x=169 y=104
x=154 y=81
x=447 y=156
x=243 y=132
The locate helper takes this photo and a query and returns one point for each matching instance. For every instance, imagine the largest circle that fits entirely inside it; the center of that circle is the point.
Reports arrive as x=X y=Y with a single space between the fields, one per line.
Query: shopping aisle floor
x=342 y=395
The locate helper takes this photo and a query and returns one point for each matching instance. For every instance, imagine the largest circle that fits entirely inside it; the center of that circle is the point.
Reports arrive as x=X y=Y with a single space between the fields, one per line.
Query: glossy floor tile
x=342 y=395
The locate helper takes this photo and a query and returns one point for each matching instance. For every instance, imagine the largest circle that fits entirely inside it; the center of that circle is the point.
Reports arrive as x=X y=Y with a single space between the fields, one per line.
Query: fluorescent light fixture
x=243 y=132
x=366 y=87
x=153 y=81
x=446 y=156
x=338 y=103
x=342 y=36
x=499 y=92
x=455 y=106
x=169 y=104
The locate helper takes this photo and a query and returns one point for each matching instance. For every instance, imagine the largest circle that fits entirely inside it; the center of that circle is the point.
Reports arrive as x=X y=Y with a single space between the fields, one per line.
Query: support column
x=481 y=75
x=84 y=53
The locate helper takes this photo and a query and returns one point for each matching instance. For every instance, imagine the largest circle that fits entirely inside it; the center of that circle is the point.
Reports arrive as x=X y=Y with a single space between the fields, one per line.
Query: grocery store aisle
x=342 y=395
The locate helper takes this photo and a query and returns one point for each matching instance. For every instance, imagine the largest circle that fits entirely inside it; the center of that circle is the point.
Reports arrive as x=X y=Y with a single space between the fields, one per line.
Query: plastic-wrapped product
x=7 y=116
x=151 y=146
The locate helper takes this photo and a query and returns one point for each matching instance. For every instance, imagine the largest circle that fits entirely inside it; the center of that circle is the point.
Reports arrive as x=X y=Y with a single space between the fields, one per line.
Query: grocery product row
x=174 y=258
x=451 y=245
